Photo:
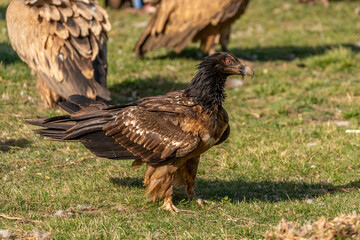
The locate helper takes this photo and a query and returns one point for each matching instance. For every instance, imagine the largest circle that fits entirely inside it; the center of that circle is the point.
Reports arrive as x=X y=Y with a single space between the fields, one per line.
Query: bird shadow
x=7 y=54
x=13 y=144
x=240 y=190
x=133 y=89
x=267 y=191
x=284 y=53
x=127 y=181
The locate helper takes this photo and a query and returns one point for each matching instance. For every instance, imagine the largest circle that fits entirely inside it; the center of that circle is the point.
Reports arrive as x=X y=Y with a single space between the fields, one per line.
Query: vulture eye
x=228 y=62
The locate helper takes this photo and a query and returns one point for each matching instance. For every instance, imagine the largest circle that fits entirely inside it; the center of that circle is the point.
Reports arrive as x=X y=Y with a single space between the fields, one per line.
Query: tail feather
x=106 y=147
x=76 y=102
x=61 y=122
x=82 y=101
x=55 y=135
x=79 y=133
x=85 y=125
x=69 y=107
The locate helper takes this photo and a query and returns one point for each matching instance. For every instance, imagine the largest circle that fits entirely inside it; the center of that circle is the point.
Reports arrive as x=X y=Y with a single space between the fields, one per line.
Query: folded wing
x=176 y=22
x=64 y=42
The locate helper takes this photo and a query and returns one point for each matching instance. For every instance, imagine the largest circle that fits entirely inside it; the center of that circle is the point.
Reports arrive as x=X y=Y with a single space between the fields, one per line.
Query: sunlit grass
x=287 y=144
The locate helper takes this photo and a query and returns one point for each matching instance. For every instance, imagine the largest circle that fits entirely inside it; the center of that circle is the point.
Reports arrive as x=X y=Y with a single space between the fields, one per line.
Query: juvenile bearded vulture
x=64 y=43
x=176 y=22
x=168 y=133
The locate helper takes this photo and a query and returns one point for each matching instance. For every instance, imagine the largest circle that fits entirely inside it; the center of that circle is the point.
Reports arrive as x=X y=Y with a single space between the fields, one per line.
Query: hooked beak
x=247 y=71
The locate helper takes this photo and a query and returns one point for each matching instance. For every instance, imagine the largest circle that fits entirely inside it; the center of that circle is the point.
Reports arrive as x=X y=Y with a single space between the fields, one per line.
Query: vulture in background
x=64 y=43
x=176 y=22
x=168 y=133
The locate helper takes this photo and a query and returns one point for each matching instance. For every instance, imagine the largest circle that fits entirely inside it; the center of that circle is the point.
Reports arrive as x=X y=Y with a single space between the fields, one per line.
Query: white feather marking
x=127 y=123
x=61 y=57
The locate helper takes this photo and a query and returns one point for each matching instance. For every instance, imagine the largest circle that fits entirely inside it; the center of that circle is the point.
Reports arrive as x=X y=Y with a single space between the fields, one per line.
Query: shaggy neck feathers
x=207 y=87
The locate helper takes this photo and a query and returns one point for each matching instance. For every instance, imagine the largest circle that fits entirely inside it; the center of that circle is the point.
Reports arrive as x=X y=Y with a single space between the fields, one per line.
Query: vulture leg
x=48 y=95
x=189 y=176
x=159 y=182
x=208 y=44
x=224 y=38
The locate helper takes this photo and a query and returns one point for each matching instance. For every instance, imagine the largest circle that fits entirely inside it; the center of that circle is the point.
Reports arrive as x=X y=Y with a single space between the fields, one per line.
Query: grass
x=288 y=155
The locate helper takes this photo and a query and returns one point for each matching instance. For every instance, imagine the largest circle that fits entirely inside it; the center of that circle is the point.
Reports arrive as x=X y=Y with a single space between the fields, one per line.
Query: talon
x=200 y=202
x=170 y=207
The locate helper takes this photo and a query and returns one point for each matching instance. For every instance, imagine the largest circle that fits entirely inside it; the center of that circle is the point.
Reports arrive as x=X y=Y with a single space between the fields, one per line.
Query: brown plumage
x=176 y=22
x=64 y=43
x=168 y=133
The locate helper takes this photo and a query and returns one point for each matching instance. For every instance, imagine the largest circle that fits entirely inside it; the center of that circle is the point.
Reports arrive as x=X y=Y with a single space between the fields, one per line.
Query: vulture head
x=226 y=64
x=207 y=87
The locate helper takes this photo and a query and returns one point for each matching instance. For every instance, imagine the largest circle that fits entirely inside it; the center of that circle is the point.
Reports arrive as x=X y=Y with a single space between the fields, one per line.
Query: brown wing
x=154 y=136
x=149 y=129
x=176 y=22
x=64 y=41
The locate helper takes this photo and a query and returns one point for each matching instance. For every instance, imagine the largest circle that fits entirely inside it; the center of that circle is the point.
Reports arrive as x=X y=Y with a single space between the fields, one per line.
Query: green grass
x=286 y=146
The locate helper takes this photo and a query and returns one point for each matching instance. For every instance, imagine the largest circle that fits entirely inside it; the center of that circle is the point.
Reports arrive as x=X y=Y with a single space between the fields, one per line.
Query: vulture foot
x=169 y=206
x=200 y=202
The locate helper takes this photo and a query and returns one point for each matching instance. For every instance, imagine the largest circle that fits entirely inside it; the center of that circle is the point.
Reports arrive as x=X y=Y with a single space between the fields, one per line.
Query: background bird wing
x=151 y=133
x=64 y=42
x=176 y=22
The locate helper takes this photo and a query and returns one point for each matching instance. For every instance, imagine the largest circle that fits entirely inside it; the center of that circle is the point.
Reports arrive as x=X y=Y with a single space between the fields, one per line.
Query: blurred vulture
x=64 y=43
x=176 y=22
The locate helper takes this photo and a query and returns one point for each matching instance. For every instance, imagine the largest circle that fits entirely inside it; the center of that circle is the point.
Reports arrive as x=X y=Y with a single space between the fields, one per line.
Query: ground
x=288 y=156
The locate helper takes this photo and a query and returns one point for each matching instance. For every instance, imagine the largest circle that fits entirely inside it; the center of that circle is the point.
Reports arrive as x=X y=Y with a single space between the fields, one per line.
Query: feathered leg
x=49 y=96
x=225 y=38
x=189 y=176
x=208 y=44
x=159 y=181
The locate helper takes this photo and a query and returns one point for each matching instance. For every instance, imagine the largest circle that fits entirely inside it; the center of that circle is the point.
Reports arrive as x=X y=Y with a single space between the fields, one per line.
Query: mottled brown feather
x=176 y=22
x=64 y=42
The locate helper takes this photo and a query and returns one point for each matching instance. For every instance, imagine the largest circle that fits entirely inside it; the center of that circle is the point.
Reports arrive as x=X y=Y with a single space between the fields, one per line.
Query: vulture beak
x=247 y=71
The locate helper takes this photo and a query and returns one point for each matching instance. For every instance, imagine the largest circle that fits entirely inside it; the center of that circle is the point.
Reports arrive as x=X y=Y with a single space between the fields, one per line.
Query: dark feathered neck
x=207 y=87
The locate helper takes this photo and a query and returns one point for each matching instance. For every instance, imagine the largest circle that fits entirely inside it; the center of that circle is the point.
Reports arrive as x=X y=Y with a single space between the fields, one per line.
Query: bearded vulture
x=168 y=133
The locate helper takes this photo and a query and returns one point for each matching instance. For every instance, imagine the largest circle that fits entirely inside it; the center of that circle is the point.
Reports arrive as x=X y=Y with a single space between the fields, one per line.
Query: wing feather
x=63 y=42
x=147 y=134
x=176 y=22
